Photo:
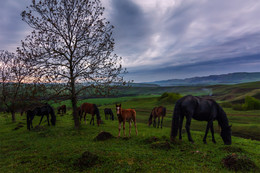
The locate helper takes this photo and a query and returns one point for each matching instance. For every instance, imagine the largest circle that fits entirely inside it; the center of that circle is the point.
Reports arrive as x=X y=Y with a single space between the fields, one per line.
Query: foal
x=126 y=115
x=157 y=112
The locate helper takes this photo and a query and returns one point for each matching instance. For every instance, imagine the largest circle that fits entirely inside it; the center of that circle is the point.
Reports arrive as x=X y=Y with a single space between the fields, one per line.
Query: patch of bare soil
x=164 y=145
x=102 y=136
x=238 y=162
x=87 y=160
x=151 y=139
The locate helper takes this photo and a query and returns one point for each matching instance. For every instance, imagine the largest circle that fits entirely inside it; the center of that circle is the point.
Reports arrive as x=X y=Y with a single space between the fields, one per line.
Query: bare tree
x=14 y=78
x=73 y=44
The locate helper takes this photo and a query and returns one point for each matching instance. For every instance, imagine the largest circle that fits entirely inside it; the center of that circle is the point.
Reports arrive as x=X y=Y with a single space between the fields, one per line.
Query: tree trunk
x=74 y=105
x=13 y=116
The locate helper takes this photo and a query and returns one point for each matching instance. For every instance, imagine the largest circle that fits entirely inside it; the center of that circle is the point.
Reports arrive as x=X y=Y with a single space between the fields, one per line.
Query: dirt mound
x=151 y=139
x=164 y=145
x=102 y=136
x=87 y=160
x=237 y=162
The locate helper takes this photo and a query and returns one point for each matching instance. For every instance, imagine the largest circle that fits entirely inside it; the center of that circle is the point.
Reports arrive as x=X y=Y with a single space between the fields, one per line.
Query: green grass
x=56 y=149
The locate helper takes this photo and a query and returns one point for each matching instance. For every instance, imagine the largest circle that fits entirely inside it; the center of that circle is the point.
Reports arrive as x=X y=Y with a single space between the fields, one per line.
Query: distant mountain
x=231 y=78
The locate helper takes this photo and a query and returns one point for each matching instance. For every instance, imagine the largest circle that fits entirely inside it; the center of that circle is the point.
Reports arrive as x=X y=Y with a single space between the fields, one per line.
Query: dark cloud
x=170 y=38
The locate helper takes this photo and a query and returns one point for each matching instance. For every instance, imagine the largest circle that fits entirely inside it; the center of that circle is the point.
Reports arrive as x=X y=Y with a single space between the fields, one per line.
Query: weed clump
x=87 y=160
x=232 y=149
x=237 y=162
x=102 y=136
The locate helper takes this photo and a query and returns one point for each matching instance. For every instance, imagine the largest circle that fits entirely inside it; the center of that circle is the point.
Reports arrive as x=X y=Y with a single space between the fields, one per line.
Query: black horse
x=202 y=110
x=41 y=111
x=109 y=111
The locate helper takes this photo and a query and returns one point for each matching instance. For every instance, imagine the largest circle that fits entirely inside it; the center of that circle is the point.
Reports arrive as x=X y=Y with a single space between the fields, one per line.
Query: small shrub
x=226 y=105
x=251 y=103
x=238 y=107
x=169 y=97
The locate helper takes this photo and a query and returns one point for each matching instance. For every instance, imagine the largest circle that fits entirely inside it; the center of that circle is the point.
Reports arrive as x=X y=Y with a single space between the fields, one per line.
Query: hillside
x=61 y=148
x=231 y=78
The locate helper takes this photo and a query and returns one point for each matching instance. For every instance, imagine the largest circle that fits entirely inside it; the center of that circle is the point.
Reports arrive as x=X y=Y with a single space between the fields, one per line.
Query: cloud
x=12 y=28
x=155 y=36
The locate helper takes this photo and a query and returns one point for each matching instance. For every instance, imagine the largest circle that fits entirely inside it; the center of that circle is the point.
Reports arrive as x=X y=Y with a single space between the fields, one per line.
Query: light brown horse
x=62 y=109
x=157 y=112
x=90 y=109
x=126 y=115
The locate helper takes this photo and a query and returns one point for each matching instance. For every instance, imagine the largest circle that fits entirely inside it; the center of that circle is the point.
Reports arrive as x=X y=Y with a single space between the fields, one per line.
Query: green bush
x=169 y=97
x=226 y=105
x=238 y=107
x=251 y=103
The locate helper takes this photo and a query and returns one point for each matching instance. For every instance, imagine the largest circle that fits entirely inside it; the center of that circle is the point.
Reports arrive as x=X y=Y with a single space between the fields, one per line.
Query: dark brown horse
x=157 y=112
x=90 y=109
x=126 y=115
x=62 y=109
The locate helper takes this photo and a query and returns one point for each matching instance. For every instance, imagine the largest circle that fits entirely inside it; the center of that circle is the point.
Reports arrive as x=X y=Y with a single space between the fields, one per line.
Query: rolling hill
x=231 y=78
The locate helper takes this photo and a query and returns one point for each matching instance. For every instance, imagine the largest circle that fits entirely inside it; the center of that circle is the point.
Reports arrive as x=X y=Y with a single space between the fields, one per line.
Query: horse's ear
x=120 y=105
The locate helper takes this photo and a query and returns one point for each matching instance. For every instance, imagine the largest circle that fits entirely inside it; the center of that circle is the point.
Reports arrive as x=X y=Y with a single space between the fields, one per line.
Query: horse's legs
x=124 y=127
x=187 y=126
x=85 y=117
x=136 y=132
x=92 y=120
x=206 y=132
x=41 y=119
x=161 y=122
x=158 y=122
x=212 y=133
x=129 y=128
x=106 y=116
x=180 y=127
x=154 y=122
x=48 y=119
x=119 y=128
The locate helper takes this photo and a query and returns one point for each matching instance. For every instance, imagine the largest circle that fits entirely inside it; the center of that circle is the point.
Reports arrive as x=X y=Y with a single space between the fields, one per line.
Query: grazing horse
x=40 y=111
x=157 y=112
x=108 y=111
x=91 y=109
x=126 y=115
x=203 y=110
x=62 y=108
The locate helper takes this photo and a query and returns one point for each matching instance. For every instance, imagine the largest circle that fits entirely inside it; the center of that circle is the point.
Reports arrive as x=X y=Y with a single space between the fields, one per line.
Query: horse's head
x=226 y=135
x=118 y=109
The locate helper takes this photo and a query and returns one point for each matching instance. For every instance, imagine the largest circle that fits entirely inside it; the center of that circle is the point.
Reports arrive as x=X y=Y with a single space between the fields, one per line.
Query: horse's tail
x=28 y=120
x=176 y=119
x=150 y=118
x=97 y=114
x=164 y=112
x=53 y=116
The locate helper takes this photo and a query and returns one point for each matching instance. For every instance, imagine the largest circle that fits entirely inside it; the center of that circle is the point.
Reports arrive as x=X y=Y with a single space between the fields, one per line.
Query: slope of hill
x=231 y=78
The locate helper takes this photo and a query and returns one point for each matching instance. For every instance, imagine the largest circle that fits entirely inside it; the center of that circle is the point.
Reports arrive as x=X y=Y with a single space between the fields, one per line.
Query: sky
x=168 y=39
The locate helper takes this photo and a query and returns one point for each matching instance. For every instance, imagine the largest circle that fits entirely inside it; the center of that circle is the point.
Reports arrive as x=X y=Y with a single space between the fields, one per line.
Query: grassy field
x=58 y=149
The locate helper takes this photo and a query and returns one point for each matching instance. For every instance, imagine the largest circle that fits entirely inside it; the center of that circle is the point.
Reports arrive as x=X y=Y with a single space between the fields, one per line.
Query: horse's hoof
x=214 y=142
x=205 y=142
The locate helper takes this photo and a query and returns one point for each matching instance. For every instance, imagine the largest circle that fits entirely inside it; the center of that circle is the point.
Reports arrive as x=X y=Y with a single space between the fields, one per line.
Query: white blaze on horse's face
x=117 y=110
